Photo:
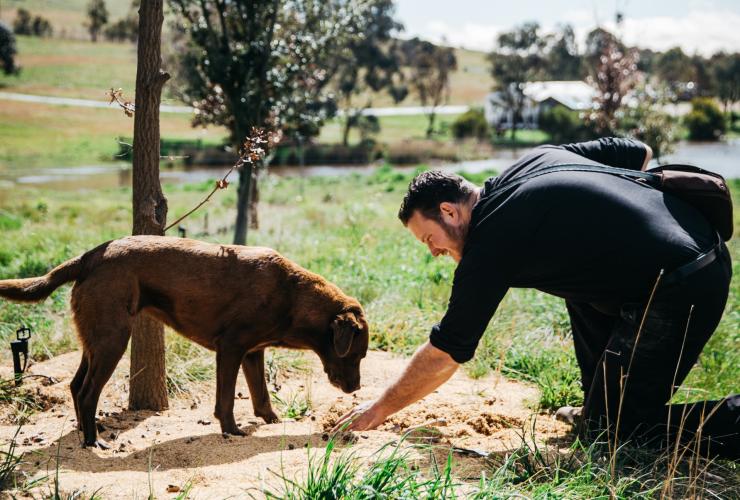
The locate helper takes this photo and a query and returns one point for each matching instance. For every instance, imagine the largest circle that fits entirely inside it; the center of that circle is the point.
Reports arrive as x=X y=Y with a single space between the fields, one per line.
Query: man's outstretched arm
x=428 y=369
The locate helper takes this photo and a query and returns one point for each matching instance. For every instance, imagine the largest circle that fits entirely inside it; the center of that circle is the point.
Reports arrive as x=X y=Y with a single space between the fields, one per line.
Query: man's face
x=442 y=238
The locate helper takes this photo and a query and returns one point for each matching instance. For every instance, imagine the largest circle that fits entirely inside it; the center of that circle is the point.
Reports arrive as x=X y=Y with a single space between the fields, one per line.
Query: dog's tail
x=37 y=289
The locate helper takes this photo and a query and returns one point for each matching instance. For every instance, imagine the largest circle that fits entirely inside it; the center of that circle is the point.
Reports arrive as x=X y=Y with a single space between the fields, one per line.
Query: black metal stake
x=20 y=346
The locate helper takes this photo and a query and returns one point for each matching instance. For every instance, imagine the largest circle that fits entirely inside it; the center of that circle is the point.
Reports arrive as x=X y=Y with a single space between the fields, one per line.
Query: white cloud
x=469 y=36
x=705 y=32
x=702 y=32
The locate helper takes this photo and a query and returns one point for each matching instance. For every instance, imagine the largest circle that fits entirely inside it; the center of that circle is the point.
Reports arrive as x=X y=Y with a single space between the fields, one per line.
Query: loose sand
x=184 y=444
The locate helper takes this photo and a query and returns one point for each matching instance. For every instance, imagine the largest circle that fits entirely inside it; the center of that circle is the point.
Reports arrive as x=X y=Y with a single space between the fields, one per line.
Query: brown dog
x=235 y=300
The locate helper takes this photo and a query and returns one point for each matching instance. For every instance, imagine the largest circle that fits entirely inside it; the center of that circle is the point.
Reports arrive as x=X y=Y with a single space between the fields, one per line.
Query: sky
x=697 y=26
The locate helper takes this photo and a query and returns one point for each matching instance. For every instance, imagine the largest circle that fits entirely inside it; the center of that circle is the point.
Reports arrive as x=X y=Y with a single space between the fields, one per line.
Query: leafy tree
x=147 y=384
x=126 y=28
x=41 y=27
x=430 y=67
x=705 y=120
x=598 y=42
x=704 y=83
x=675 y=67
x=7 y=50
x=26 y=24
x=123 y=30
x=472 y=123
x=613 y=76
x=22 y=24
x=648 y=122
x=261 y=63
x=726 y=71
x=646 y=60
x=564 y=125
x=562 y=58
x=97 y=15
x=516 y=60
x=371 y=64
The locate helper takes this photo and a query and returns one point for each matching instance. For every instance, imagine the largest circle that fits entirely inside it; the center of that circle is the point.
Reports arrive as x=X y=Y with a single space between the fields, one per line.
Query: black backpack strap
x=650 y=179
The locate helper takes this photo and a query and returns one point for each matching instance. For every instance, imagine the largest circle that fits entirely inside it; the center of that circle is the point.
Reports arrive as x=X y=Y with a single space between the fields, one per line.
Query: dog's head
x=346 y=345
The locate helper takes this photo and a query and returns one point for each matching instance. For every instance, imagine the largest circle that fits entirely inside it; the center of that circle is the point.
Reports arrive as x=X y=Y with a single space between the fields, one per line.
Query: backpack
x=705 y=191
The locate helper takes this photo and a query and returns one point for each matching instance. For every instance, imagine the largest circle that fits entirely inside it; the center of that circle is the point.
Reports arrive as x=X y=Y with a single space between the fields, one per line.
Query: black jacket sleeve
x=612 y=151
x=477 y=290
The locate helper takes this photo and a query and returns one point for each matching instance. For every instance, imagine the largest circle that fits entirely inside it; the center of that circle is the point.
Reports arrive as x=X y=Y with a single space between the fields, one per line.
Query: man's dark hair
x=428 y=189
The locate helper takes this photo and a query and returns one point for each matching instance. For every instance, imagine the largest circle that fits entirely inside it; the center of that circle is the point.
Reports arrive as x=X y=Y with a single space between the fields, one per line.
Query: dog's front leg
x=228 y=358
x=253 y=366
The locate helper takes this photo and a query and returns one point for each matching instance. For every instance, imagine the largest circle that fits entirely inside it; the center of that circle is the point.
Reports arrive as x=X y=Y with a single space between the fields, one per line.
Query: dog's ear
x=345 y=326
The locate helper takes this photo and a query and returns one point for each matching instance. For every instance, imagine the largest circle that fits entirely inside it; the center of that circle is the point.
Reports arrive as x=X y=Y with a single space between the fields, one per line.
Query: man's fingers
x=347 y=418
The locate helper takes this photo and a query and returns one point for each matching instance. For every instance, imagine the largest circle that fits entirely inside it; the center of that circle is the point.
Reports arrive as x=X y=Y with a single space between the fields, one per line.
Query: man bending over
x=600 y=242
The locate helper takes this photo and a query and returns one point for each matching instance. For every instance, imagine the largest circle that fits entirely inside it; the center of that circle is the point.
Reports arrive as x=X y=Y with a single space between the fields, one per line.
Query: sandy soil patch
x=184 y=445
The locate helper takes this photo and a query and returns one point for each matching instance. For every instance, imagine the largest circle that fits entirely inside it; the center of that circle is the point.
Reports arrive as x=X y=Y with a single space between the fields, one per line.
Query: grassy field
x=345 y=229
x=42 y=135
x=71 y=68
x=67 y=17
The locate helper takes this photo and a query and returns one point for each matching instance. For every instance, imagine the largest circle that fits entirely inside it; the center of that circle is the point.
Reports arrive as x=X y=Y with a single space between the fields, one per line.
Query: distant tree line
x=27 y=24
x=617 y=72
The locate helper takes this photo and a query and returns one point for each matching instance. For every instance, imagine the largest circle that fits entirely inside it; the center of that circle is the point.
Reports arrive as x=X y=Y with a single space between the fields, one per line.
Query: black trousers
x=628 y=379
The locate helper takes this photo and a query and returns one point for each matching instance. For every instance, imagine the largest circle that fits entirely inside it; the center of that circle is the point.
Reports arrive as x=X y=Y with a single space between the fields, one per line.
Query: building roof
x=576 y=95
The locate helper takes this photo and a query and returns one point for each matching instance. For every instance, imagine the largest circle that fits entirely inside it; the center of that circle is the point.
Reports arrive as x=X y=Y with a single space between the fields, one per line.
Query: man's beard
x=456 y=233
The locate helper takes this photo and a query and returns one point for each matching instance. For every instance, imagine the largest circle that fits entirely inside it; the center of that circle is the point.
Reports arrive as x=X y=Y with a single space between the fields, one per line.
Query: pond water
x=723 y=158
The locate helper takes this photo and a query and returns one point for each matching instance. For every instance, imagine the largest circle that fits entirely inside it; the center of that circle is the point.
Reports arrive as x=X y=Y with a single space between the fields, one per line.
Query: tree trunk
x=242 y=205
x=148 y=389
x=345 y=132
x=430 y=128
x=254 y=199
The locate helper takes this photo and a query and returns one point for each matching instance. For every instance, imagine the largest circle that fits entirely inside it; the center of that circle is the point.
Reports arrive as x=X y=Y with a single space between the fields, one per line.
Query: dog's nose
x=348 y=388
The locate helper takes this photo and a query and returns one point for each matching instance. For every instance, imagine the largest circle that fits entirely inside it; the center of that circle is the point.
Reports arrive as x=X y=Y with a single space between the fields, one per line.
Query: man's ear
x=449 y=211
x=345 y=326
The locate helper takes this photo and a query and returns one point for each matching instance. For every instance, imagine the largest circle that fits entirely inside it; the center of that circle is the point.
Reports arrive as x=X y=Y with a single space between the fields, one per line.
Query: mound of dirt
x=184 y=444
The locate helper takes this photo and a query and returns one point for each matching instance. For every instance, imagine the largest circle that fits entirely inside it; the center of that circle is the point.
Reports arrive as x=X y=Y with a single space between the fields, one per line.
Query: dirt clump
x=490 y=423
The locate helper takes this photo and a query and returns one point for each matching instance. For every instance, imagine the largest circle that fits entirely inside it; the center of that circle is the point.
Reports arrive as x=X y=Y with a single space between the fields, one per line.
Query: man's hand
x=362 y=417
x=428 y=369
x=648 y=157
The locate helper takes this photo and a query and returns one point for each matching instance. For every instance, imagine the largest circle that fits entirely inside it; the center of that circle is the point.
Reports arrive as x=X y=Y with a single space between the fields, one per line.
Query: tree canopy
x=262 y=63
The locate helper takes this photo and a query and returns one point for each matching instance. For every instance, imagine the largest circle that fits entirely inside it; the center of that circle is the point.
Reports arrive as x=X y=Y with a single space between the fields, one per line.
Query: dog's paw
x=98 y=443
x=234 y=431
x=269 y=417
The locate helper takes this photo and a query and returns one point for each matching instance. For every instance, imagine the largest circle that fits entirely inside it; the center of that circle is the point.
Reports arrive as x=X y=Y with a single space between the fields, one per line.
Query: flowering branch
x=253 y=151
x=117 y=97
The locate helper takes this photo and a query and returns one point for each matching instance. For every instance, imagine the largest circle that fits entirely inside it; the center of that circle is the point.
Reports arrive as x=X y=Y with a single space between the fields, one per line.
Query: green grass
x=40 y=135
x=392 y=128
x=524 y=138
x=71 y=68
x=527 y=471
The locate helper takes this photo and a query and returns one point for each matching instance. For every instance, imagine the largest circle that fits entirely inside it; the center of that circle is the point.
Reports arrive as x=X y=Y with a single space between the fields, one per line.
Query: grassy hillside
x=40 y=135
x=66 y=16
x=82 y=69
x=71 y=68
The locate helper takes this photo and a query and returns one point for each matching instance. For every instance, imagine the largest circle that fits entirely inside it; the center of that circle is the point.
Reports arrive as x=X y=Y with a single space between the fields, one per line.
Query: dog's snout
x=351 y=386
